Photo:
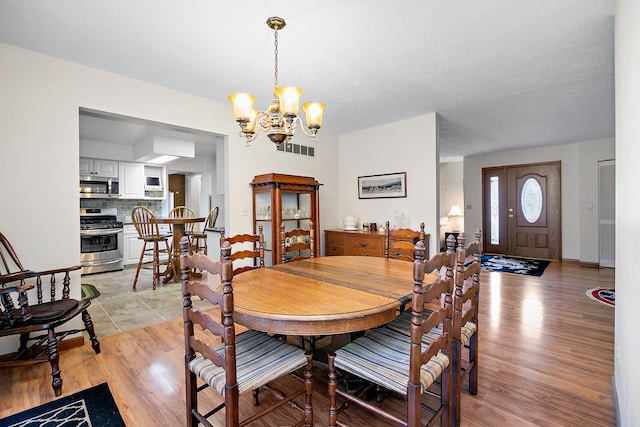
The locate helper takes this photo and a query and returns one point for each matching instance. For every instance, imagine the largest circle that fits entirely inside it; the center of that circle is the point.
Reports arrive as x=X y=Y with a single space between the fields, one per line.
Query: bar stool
x=148 y=230
x=199 y=238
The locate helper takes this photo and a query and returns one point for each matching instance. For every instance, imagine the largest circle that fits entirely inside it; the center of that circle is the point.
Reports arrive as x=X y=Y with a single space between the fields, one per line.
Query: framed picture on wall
x=382 y=186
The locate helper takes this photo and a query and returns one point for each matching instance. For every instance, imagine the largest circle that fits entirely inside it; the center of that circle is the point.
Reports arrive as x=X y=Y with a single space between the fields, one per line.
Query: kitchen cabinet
x=291 y=199
x=133 y=245
x=131 y=180
x=98 y=167
x=357 y=243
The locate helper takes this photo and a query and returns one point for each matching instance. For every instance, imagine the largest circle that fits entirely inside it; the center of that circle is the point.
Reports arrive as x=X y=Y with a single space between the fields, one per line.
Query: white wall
x=406 y=146
x=627 y=345
x=39 y=107
x=576 y=160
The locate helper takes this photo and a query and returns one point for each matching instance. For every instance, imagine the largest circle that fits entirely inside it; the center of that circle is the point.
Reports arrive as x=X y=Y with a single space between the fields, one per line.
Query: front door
x=521 y=210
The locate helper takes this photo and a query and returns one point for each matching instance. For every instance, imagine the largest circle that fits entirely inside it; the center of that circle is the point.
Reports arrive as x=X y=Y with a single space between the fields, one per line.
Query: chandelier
x=280 y=121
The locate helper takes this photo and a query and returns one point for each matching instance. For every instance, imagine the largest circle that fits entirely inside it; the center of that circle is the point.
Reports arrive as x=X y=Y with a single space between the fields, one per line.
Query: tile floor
x=120 y=308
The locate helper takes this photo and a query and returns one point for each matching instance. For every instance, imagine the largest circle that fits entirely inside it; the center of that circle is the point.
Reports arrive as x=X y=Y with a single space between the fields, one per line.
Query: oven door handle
x=100 y=232
x=97 y=263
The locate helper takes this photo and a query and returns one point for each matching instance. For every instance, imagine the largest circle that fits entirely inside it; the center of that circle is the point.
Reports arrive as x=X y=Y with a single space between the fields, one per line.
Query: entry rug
x=93 y=407
x=605 y=296
x=501 y=264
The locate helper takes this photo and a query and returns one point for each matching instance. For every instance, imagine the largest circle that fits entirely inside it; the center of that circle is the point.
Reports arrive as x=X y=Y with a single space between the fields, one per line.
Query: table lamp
x=455 y=213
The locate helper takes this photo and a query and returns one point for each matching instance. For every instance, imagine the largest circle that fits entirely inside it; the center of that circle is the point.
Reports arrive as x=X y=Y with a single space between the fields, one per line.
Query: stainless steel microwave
x=99 y=188
x=152 y=183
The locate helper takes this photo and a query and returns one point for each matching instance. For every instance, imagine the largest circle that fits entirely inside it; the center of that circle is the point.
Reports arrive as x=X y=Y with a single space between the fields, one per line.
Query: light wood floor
x=546 y=359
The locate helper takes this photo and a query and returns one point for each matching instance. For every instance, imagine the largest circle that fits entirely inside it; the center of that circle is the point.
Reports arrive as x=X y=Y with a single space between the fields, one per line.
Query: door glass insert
x=531 y=200
x=494 y=195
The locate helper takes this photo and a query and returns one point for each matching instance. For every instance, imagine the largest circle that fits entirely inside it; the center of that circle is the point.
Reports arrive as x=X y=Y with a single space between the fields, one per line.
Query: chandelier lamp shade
x=281 y=119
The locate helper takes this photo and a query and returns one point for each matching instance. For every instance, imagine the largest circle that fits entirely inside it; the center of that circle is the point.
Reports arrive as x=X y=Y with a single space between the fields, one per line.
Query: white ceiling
x=501 y=74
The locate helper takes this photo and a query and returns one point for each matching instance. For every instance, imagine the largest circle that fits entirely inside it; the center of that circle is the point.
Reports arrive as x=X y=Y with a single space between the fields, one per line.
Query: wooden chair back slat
x=248 y=247
x=296 y=244
x=400 y=243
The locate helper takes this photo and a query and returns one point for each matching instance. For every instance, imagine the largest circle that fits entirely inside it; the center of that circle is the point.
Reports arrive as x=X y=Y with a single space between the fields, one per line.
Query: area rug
x=502 y=264
x=91 y=407
x=89 y=291
x=605 y=296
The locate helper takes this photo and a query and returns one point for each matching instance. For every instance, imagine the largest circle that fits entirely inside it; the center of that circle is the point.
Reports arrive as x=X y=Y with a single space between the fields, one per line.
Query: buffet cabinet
x=291 y=199
x=357 y=243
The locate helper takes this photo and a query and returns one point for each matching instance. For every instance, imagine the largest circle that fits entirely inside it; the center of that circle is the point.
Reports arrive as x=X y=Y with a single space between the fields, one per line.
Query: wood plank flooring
x=546 y=359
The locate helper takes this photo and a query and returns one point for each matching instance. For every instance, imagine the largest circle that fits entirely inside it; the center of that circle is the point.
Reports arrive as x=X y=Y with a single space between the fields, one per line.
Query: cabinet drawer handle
x=359 y=254
x=363 y=244
x=335 y=247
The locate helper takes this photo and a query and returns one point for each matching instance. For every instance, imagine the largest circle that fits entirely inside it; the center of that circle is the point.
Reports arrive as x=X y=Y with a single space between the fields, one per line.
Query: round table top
x=321 y=296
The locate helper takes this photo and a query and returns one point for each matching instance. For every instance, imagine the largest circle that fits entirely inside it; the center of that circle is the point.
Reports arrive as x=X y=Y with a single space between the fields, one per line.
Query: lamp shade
x=242 y=106
x=289 y=98
x=313 y=114
x=455 y=211
x=250 y=127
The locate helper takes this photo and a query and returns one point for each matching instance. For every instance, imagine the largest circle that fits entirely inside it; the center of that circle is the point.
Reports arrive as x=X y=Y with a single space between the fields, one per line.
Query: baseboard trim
x=589 y=264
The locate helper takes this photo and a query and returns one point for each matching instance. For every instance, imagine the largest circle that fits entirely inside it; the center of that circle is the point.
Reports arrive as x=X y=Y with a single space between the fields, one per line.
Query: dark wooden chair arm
x=20 y=275
x=16 y=288
x=59 y=270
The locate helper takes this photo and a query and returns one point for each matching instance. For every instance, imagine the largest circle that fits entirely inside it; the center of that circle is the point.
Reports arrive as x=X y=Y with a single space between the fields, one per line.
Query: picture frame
x=383 y=186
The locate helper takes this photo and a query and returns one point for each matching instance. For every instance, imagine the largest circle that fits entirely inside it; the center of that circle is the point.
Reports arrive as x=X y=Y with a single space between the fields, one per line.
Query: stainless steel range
x=101 y=240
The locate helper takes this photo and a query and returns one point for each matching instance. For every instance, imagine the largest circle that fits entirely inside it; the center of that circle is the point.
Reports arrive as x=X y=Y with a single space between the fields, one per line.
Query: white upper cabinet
x=131 y=180
x=98 y=167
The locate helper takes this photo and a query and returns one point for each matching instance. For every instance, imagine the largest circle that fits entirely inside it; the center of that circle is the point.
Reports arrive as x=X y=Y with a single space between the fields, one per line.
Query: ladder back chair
x=38 y=303
x=154 y=245
x=232 y=364
x=465 y=328
x=400 y=243
x=296 y=244
x=199 y=237
x=403 y=363
x=248 y=248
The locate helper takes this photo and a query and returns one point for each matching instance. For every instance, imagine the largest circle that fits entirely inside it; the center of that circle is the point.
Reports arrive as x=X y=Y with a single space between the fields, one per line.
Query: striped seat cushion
x=402 y=324
x=259 y=359
x=382 y=357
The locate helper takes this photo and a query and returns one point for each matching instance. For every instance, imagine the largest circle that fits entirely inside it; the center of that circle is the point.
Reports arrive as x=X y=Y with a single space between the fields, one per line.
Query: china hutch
x=291 y=199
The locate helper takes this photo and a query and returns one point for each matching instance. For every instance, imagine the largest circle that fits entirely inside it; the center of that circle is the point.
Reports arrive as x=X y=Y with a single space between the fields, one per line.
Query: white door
x=607 y=212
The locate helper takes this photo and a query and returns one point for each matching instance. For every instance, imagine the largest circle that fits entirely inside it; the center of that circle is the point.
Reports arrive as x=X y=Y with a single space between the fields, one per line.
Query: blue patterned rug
x=502 y=264
x=91 y=407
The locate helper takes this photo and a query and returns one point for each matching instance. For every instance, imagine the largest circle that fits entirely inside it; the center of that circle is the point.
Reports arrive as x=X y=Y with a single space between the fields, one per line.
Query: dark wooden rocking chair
x=32 y=302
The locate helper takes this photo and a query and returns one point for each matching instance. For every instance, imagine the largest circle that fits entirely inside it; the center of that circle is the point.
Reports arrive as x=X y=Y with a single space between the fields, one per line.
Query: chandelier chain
x=275 y=42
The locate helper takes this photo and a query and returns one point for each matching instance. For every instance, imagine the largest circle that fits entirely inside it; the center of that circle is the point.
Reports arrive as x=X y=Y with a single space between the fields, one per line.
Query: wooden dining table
x=177 y=225
x=322 y=296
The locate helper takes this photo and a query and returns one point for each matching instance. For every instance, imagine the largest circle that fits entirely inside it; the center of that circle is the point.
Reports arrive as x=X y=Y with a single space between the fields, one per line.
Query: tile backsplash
x=124 y=206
